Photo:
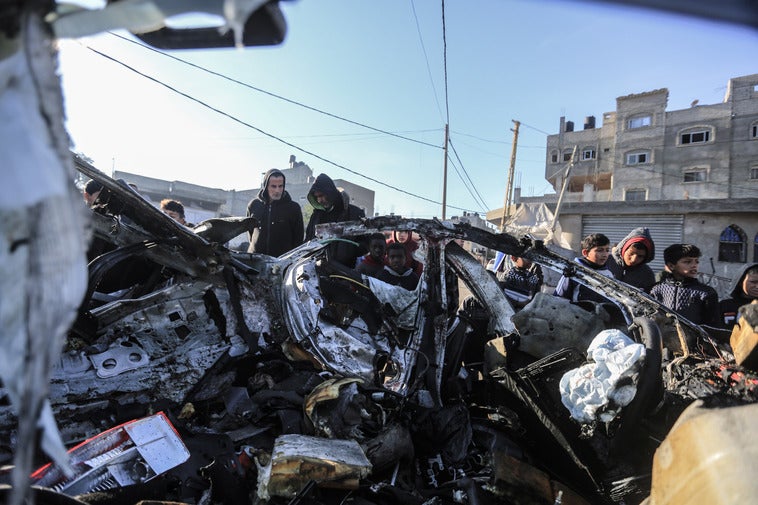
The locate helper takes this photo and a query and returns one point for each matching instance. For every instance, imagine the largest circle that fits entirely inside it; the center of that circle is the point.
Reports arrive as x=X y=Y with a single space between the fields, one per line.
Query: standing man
x=280 y=220
x=332 y=205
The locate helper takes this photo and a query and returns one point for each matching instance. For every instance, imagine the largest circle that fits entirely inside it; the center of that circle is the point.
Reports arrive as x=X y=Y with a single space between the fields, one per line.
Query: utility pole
x=511 y=171
x=563 y=190
x=444 y=175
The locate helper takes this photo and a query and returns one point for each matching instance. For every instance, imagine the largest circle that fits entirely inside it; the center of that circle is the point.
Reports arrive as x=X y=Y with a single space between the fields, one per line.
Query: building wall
x=727 y=196
x=644 y=176
x=727 y=157
x=204 y=202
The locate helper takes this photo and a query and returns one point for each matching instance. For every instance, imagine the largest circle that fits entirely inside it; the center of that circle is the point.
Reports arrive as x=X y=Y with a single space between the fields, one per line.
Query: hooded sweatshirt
x=280 y=222
x=339 y=210
x=640 y=276
x=728 y=307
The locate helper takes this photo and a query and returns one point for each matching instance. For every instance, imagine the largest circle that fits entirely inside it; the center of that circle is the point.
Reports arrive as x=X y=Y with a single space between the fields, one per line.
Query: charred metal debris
x=244 y=378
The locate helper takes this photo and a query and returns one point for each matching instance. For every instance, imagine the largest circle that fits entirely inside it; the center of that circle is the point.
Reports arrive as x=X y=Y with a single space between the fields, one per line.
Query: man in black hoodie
x=280 y=221
x=332 y=205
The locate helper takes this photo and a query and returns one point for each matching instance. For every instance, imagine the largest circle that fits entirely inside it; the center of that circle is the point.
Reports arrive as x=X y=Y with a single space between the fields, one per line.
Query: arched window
x=554 y=156
x=732 y=245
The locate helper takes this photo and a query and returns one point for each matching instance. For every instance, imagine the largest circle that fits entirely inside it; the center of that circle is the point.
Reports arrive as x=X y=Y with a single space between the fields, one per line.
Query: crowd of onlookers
x=677 y=287
x=391 y=258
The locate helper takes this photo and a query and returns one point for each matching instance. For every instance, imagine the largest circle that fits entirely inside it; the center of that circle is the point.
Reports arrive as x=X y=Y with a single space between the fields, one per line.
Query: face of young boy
x=521 y=262
x=685 y=267
x=376 y=249
x=634 y=256
x=598 y=255
x=396 y=260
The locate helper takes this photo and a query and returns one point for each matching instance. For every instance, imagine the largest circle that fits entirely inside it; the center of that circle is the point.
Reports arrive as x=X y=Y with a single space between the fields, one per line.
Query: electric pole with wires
x=511 y=171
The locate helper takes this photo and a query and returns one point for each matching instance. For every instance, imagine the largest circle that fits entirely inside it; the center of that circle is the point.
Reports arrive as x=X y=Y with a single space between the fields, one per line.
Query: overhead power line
x=263 y=132
x=426 y=57
x=478 y=198
x=274 y=95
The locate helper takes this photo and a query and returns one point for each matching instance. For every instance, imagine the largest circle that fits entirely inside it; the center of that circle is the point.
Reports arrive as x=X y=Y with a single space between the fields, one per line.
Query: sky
x=388 y=65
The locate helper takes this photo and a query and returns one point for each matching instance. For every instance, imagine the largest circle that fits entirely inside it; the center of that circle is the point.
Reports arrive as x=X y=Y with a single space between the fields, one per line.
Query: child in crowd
x=595 y=251
x=405 y=238
x=629 y=259
x=743 y=290
x=520 y=283
x=175 y=210
x=680 y=290
x=396 y=273
x=372 y=263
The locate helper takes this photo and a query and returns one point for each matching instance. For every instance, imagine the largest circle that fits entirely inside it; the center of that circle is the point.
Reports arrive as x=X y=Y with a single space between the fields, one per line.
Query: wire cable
x=478 y=197
x=467 y=186
x=426 y=57
x=270 y=135
x=274 y=95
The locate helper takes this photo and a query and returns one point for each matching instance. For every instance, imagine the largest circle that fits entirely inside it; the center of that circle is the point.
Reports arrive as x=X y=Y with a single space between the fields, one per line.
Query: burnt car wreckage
x=294 y=380
x=201 y=375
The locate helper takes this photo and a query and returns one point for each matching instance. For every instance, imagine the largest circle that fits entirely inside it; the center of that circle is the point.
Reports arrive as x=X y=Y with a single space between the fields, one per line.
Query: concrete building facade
x=689 y=175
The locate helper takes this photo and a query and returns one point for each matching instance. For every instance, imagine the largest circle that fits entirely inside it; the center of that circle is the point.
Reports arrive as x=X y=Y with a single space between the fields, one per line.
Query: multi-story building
x=689 y=175
x=643 y=152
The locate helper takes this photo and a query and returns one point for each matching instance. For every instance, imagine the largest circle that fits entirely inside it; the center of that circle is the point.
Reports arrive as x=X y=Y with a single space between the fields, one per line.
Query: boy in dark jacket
x=595 y=251
x=520 y=283
x=743 y=290
x=396 y=273
x=280 y=220
x=405 y=237
x=629 y=259
x=680 y=290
